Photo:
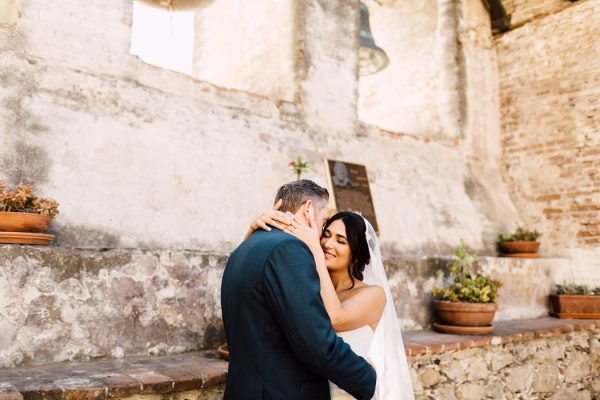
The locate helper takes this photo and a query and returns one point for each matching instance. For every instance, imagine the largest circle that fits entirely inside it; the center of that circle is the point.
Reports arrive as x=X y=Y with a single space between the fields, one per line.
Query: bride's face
x=335 y=246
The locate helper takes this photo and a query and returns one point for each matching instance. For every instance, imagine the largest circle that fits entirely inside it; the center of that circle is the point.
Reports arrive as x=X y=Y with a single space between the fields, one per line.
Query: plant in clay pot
x=575 y=301
x=520 y=244
x=468 y=305
x=24 y=216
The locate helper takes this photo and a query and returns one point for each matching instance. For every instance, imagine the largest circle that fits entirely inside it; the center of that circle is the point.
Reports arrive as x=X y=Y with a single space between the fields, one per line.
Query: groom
x=281 y=342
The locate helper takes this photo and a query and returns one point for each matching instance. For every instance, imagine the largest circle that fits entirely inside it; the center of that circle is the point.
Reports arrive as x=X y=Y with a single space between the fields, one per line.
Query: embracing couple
x=307 y=309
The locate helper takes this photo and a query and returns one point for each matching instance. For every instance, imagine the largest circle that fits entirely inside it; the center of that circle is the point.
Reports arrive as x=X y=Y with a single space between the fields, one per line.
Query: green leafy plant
x=298 y=166
x=466 y=286
x=23 y=199
x=574 y=289
x=520 y=235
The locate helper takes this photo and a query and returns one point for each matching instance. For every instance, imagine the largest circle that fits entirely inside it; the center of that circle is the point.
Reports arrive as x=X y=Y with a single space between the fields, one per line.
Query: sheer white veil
x=387 y=349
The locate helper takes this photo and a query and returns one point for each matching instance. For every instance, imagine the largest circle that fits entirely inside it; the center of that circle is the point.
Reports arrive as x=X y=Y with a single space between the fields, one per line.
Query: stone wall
x=550 y=91
x=558 y=368
x=60 y=304
x=143 y=157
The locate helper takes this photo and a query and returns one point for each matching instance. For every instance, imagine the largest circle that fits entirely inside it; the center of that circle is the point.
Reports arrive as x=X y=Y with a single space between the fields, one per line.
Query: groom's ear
x=308 y=210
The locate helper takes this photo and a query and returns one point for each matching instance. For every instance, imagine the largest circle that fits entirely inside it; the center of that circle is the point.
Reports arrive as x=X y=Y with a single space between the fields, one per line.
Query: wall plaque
x=349 y=189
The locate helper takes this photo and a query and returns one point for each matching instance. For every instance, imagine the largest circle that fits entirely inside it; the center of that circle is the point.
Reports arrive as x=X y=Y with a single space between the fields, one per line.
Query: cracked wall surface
x=143 y=157
x=60 y=304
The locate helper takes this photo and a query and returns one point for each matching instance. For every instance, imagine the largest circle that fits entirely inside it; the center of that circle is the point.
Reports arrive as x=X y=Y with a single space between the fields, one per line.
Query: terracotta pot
x=23 y=222
x=509 y=248
x=223 y=351
x=575 y=306
x=465 y=314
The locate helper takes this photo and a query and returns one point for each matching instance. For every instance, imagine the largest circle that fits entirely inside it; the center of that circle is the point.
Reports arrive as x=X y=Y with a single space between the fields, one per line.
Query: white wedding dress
x=360 y=342
x=384 y=348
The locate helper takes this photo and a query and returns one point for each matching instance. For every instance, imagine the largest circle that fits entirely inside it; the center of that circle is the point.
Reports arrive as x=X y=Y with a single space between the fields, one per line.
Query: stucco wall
x=143 y=157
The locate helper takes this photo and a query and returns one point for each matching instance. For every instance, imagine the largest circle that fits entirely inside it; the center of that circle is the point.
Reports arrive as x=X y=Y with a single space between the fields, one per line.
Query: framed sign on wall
x=349 y=189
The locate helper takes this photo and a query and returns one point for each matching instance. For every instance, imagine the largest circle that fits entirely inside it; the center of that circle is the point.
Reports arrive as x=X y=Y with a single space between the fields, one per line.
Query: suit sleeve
x=292 y=292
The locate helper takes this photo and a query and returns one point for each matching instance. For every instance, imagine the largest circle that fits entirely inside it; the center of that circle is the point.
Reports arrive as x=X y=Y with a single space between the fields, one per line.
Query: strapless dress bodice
x=360 y=342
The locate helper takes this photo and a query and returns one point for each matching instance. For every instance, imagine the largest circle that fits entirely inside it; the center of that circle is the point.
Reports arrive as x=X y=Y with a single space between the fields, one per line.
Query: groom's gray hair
x=296 y=193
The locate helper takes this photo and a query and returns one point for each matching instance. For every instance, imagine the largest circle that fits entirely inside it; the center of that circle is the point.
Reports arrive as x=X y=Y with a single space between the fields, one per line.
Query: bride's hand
x=273 y=217
x=308 y=234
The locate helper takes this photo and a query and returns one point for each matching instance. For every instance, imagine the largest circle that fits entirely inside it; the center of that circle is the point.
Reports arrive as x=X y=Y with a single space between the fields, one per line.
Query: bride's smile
x=335 y=246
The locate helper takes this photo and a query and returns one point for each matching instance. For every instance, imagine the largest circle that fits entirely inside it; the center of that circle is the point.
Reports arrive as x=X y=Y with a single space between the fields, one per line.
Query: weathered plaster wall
x=60 y=304
x=252 y=46
x=8 y=14
x=550 y=91
x=399 y=98
x=143 y=157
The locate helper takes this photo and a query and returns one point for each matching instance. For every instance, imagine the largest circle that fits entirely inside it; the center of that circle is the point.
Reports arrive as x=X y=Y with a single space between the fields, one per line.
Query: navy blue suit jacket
x=281 y=342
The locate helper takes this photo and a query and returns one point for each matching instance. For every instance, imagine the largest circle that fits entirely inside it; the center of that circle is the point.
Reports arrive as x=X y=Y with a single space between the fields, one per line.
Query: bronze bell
x=177 y=5
x=371 y=58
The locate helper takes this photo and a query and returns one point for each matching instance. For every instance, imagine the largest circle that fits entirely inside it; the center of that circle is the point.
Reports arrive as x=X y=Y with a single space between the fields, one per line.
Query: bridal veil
x=387 y=349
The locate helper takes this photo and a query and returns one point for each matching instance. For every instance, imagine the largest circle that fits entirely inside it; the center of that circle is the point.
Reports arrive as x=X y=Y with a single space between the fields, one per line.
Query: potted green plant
x=24 y=216
x=468 y=305
x=575 y=301
x=520 y=244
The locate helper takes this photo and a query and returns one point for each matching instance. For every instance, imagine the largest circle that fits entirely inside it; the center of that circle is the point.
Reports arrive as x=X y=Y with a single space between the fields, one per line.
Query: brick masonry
x=522 y=11
x=550 y=91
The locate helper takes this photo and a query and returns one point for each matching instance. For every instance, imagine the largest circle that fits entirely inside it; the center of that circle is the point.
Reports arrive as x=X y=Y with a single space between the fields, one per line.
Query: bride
x=355 y=293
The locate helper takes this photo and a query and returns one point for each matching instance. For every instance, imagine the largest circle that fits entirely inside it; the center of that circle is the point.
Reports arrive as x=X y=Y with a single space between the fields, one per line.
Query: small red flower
x=292 y=164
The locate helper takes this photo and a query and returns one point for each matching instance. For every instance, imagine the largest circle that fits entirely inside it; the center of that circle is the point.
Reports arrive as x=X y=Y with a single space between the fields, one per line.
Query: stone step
x=198 y=375
x=535 y=356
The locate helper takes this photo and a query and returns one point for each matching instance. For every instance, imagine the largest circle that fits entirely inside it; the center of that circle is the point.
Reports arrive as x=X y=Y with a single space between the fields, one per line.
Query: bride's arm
x=273 y=217
x=364 y=308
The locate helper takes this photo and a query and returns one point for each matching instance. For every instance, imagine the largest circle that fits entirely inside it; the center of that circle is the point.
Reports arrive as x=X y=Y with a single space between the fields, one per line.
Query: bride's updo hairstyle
x=357 y=240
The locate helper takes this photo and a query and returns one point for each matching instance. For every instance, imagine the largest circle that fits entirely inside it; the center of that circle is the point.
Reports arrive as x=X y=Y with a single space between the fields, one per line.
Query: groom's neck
x=299 y=216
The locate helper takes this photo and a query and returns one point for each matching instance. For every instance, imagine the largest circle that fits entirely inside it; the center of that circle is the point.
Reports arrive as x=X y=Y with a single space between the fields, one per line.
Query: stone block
x=501 y=360
x=477 y=370
x=494 y=390
x=470 y=391
x=555 y=351
x=520 y=378
x=572 y=394
x=429 y=377
x=454 y=371
x=579 y=365
x=446 y=392
x=546 y=379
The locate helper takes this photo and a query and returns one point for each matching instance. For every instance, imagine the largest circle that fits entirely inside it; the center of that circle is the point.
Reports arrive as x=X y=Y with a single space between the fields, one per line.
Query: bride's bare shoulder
x=375 y=291
x=372 y=293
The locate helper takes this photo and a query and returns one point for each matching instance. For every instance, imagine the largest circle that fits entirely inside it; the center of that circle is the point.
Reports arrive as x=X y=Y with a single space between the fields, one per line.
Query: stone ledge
x=417 y=343
x=121 y=378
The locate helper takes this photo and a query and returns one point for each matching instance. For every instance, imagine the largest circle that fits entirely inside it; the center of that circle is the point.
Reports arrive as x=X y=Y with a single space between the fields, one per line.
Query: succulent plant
x=466 y=287
x=574 y=289
x=23 y=199
x=520 y=235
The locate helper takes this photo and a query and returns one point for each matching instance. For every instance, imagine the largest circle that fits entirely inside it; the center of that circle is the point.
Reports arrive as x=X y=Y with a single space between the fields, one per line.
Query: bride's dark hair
x=357 y=240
